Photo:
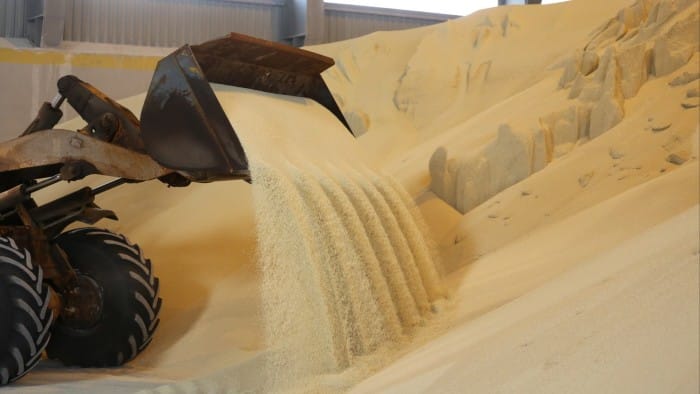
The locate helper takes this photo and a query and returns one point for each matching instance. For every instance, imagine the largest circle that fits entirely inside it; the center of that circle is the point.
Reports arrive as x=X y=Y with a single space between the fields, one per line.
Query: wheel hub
x=82 y=305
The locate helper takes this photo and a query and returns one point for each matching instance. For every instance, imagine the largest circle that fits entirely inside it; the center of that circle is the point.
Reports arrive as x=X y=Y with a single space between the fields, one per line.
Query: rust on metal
x=20 y=234
x=234 y=47
x=253 y=63
x=30 y=237
x=106 y=119
x=82 y=304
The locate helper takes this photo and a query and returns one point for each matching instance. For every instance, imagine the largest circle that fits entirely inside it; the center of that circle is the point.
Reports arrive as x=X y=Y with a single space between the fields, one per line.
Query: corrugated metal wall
x=343 y=22
x=12 y=18
x=169 y=22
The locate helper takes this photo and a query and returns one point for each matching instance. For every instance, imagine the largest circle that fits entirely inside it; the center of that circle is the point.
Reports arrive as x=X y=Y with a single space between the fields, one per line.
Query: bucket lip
x=253 y=50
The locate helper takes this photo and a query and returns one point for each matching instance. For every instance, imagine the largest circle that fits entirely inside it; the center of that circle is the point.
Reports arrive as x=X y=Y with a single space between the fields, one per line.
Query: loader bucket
x=183 y=126
x=253 y=63
x=182 y=123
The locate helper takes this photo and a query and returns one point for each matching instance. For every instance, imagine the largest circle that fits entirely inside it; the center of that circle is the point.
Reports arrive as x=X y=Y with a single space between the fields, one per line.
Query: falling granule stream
x=345 y=267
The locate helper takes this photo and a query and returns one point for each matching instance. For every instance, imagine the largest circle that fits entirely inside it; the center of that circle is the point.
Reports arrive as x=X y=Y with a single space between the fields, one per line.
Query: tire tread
x=29 y=326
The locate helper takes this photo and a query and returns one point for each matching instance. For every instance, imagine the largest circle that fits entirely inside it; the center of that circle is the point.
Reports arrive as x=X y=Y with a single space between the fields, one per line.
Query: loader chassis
x=87 y=296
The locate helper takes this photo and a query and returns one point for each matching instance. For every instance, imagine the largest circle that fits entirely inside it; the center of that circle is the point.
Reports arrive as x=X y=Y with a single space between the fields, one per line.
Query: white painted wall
x=24 y=87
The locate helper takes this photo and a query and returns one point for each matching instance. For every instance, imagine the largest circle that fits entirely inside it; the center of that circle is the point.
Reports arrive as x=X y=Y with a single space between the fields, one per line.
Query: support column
x=54 y=22
x=294 y=23
x=315 y=22
x=304 y=22
x=45 y=21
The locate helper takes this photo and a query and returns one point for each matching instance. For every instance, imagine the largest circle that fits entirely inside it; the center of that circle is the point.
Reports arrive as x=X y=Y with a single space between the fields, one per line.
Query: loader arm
x=73 y=155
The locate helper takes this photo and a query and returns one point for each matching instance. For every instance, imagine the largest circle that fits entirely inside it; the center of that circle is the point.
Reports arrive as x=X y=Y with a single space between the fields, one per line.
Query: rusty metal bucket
x=182 y=123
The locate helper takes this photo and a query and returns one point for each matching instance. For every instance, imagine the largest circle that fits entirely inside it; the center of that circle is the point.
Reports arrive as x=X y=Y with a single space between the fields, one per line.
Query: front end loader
x=87 y=296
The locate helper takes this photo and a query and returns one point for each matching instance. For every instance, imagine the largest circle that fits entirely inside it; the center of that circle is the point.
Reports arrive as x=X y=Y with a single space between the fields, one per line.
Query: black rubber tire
x=25 y=317
x=130 y=302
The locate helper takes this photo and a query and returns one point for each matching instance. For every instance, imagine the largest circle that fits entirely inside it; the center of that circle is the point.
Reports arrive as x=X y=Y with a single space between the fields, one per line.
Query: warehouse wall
x=12 y=18
x=343 y=22
x=169 y=23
